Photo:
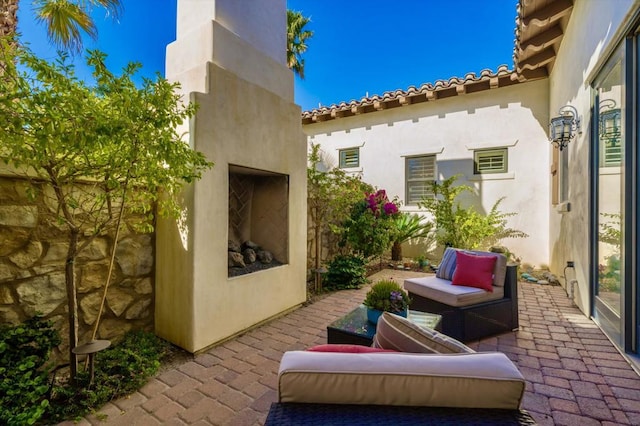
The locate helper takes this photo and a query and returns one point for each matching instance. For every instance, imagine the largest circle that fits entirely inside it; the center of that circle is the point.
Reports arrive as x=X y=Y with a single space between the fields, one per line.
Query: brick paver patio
x=574 y=374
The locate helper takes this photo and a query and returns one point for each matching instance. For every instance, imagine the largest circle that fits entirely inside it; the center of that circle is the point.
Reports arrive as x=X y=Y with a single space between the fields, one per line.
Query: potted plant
x=386 y=295
x=422 y=262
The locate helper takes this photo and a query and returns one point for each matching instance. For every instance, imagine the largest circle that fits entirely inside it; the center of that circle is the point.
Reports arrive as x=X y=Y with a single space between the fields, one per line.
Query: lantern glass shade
x=563 y=128
x=560 y=129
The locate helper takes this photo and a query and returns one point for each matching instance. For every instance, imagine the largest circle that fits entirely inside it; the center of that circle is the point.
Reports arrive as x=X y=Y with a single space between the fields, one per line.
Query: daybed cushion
x=478 y=380
x=399 y=334
x=443 y=291
x=354 y=349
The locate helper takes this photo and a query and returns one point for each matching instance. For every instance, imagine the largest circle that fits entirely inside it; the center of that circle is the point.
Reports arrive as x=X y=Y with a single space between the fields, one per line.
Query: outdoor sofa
x=437 y=380
x=480 y=303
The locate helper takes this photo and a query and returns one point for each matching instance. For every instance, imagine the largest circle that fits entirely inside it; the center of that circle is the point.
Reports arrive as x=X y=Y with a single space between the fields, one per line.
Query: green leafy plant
x=94 y=151
x=330 y=195
x=24 y=352
x=387 y=295
x=370 y=228
x=610 y=229
x=422 y=261
x=119 y=371
x=408 y=227
x=344 y=272
x=464 y=227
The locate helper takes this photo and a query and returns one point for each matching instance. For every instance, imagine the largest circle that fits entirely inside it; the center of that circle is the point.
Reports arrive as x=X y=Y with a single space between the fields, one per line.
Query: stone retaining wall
x=33 y=247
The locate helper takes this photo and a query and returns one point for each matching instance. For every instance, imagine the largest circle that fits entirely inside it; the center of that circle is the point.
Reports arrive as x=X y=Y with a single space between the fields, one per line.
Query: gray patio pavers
x=574 y=374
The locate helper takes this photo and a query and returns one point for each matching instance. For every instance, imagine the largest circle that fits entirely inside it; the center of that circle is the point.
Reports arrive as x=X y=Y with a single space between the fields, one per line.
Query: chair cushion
x=447 y=264
x=453 y=295
x=400 y=334
x=474 y=271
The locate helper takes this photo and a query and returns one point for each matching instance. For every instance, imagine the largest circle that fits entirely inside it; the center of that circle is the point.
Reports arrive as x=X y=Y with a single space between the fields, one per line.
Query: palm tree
x=66 y=20
x=297 y=37
x=408 y=227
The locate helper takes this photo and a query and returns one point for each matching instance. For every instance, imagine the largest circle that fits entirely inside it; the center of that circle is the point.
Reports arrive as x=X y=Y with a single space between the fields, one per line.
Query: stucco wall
x=259 y=22
x=588 y=34
x=514 y=116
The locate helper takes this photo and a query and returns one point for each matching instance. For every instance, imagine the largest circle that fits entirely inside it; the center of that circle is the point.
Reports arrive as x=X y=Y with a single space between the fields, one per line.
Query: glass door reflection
x=611 y=177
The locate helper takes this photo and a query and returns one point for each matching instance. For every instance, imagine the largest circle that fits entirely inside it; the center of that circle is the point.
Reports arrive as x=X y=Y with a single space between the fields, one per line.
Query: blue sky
x=359 y=46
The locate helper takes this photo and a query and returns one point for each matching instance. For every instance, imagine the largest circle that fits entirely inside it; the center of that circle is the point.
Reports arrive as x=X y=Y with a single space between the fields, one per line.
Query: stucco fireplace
x=230 y=58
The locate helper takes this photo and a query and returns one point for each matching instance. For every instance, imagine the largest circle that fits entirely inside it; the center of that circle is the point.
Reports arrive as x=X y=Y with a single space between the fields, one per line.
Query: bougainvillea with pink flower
x=370 y=229
x=378 y=203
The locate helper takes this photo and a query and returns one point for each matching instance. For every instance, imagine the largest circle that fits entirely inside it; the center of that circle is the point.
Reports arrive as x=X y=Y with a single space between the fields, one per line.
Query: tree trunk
x=72 y=301
x=8 y=17
x=318 y=238
x=396 y=251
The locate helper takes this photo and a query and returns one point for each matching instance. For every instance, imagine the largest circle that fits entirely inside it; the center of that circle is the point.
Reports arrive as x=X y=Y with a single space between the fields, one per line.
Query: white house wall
x=514 y=116
x=587 y=36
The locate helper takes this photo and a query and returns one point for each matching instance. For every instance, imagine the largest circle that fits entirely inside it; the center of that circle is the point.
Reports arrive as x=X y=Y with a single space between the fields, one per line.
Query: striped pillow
x=447 y=264
x=400 y=334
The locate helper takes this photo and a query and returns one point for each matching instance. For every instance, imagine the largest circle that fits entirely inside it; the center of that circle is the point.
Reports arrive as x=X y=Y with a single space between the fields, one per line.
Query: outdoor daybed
x=476 y=299
x=378 y=386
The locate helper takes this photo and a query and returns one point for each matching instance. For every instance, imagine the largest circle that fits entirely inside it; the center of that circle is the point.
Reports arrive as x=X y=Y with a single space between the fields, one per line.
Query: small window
x=490 y=161
x=420 y=173
x=349 y=158
x=609 y=136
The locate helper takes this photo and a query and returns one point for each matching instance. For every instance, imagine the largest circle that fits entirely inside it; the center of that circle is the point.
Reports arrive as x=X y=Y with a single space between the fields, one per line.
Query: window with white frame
x=609 y=136
x=420 y=172
x=349 y=158
x=487 y=161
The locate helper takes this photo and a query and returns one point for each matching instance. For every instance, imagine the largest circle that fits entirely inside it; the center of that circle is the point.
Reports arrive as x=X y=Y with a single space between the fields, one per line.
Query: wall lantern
x=564 y=128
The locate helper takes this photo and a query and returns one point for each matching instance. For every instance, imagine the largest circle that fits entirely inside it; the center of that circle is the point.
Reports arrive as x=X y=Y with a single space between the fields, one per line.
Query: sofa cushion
x=353 y=349
x=476 y=380
x=400 y=334
x=500 y=268
x=474 y=271
x=447 y=265
x=453 y=295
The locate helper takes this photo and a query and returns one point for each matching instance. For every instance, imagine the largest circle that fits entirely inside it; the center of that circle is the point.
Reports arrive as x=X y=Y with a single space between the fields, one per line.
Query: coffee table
x=355 y=329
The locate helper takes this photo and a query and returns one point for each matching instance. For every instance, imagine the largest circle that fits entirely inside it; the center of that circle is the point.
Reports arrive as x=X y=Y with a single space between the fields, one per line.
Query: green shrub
x=345 y=272
x=370 y=228
x=24 y=352
x=464 y=227
x=119 y=371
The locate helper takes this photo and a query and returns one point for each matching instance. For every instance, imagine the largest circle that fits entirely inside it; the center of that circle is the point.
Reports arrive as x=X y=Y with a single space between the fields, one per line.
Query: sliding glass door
x=610 y=219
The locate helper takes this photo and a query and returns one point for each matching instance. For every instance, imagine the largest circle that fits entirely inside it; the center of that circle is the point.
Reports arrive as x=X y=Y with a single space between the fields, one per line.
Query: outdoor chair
x=474 y=299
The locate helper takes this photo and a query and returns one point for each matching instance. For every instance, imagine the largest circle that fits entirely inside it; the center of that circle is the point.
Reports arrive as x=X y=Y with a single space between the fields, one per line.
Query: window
x=609 y=135
x=490 y=161
x=349 y=158
x=420 y=173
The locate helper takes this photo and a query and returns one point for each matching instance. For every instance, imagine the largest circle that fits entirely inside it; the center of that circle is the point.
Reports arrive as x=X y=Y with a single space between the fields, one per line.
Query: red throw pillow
x=353 y=349
x=474 y=271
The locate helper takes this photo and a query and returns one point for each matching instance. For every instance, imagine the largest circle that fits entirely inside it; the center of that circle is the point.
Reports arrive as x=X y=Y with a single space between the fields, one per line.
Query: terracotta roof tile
x=540 y=25
x=427 y=92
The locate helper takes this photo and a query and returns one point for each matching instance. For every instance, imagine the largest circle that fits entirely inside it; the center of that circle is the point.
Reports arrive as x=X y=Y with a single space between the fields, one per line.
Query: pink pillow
x=474 y=271
x=353 y=349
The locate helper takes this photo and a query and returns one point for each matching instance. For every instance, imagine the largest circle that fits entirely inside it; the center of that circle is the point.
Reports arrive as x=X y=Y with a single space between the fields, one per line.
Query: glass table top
x=355 y=322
